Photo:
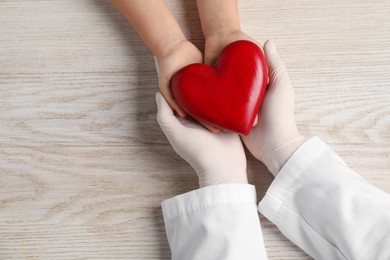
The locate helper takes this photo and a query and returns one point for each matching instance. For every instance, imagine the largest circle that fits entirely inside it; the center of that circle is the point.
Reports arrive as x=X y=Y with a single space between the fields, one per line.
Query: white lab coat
x=316 y=201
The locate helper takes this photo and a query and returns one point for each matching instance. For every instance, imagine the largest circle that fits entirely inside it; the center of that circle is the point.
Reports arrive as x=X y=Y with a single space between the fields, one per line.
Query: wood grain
x=83 y=163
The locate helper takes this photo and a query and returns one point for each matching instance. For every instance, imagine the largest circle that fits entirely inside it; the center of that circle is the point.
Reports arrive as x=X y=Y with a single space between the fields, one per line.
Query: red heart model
x=227 y=95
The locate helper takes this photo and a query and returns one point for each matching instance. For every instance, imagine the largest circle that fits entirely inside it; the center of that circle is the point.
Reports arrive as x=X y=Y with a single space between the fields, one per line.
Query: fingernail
x=181 y=114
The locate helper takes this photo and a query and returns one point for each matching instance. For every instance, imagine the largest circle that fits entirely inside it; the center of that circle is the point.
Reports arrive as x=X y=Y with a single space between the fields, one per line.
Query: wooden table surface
x=83 y=162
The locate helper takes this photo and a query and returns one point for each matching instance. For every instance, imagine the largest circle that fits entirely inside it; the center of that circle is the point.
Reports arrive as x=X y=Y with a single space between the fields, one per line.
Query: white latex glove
x=276 y=137
x=216 y=157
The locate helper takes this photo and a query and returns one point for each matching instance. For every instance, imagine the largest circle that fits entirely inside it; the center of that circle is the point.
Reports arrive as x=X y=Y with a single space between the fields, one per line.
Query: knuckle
x=279 y=73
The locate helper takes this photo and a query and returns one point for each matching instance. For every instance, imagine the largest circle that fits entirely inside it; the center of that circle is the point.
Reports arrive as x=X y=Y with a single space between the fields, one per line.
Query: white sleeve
x=214 y=222
x=326 y=208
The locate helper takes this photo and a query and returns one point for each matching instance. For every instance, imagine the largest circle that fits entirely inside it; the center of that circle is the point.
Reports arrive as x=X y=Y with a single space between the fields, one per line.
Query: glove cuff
x=208 y=179
x=280 y=155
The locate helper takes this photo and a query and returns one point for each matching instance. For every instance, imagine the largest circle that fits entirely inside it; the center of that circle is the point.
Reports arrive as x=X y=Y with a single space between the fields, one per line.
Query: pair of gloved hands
x=219 y=157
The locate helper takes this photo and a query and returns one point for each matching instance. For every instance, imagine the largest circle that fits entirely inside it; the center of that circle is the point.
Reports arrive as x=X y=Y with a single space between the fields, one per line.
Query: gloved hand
x=216 y=157
x=276 y=137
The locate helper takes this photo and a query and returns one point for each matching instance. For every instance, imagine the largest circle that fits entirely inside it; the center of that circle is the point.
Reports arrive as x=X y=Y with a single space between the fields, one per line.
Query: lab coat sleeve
x=214 y=222
x=326 y=208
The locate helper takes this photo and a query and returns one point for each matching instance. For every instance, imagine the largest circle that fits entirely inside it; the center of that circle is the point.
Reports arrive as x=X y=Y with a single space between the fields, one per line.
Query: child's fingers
x=175 y=106
x=212 y=128
x=167 y=93
x=165 y=88
x=256 y=120
x=165 y=115
x=209 y=127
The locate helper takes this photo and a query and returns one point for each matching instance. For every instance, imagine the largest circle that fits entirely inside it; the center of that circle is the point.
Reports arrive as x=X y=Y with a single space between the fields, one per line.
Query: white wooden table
x=83 y=162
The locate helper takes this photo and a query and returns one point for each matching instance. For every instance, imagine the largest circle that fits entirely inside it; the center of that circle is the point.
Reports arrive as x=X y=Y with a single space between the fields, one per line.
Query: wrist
x=282 y=153
x=215 y=179
x=218 y=16
x=224 y=34
x=223 y=31
x=166 y=48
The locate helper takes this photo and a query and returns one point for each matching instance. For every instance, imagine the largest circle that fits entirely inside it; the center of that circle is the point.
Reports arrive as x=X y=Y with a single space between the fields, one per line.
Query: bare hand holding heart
x=227 y=95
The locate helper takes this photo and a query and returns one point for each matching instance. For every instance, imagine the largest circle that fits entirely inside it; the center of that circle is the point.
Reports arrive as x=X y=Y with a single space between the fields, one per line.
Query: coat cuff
x=291 y=173
x=210 y=196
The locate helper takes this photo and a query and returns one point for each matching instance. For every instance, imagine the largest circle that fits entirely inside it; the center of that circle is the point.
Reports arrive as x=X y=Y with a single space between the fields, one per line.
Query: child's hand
x=216 y=158
x=179 y=55
x=176 y=57
x=276 y=136
x=216 y=42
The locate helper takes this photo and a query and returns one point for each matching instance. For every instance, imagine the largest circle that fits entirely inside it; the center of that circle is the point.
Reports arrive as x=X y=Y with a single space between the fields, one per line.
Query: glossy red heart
x=227 y=95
